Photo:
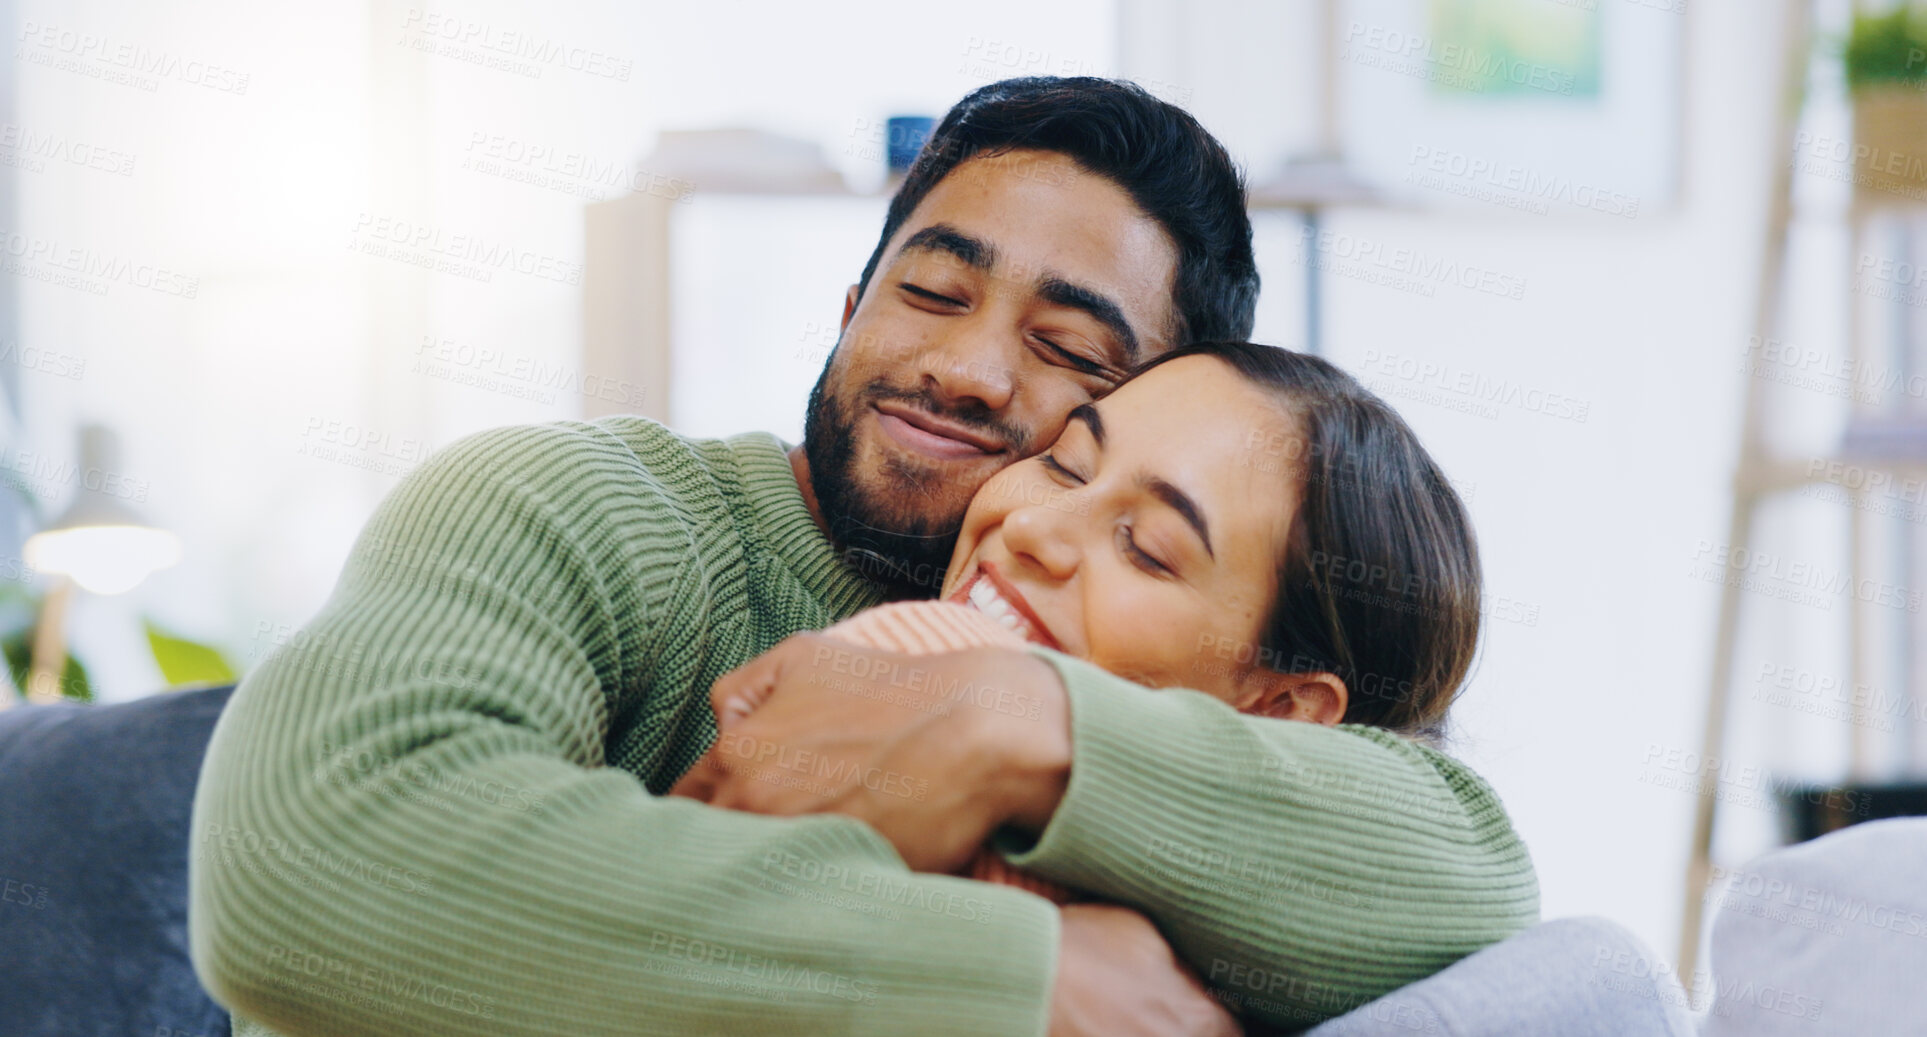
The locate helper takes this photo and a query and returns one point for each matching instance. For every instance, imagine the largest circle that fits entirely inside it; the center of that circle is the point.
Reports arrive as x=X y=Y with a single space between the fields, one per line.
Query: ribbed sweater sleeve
x=405 y=824
x=1302 y=870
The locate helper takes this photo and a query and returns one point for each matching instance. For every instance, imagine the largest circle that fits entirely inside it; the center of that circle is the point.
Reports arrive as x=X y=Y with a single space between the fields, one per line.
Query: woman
x=1235 y=519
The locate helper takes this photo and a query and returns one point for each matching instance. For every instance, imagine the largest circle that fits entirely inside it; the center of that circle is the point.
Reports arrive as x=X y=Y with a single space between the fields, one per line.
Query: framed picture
x=1537 y=106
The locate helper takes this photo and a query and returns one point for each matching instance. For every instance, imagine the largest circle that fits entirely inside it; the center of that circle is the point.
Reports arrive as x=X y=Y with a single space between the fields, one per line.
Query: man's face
x=1019 y=289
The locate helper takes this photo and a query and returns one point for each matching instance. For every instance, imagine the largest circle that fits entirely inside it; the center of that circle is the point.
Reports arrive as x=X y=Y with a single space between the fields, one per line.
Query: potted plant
x=1886 y=67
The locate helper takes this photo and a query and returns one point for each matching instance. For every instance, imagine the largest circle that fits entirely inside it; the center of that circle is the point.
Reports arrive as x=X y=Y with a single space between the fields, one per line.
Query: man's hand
x=933 y=751
x=1117 y=977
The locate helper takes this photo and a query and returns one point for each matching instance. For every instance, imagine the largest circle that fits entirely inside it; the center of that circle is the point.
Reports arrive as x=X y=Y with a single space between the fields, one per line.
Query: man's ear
x=849 y=305
x=1319 y=698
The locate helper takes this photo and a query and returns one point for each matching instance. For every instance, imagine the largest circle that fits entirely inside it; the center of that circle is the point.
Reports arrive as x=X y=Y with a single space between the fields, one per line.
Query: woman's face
x=1147 y=538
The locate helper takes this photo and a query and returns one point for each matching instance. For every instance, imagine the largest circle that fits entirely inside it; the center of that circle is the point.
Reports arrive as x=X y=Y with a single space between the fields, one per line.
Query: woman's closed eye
x=1057 y=468
x=1127 y=541
x=1139 y=556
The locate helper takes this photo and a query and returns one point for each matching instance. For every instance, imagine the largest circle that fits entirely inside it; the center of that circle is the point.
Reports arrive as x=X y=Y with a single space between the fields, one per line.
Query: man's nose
x=975 y=362
x=1045 y=535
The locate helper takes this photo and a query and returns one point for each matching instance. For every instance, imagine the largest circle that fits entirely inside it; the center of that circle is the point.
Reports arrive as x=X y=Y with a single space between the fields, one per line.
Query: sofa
x=94 y=815
x=94 y=810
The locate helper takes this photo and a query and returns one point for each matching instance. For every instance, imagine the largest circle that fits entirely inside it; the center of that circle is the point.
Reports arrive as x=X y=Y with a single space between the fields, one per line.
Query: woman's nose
x=1044 y=534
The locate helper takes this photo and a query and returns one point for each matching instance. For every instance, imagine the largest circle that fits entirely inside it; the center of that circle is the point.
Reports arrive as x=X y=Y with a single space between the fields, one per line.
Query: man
x=438 y=814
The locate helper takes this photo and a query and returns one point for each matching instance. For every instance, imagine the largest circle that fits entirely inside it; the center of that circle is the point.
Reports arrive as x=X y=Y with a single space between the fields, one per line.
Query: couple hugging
x=1211 y=600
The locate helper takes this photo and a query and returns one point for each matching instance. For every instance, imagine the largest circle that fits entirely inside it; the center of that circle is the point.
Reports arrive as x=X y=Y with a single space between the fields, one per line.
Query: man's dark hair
x=1380 y=584
x=1174 y=170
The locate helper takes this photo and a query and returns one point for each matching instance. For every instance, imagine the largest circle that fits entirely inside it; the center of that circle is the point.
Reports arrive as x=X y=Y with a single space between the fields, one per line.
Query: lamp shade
x=100 y=541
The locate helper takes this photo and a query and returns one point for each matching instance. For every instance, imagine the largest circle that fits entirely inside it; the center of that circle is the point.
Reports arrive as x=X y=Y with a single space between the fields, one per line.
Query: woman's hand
x=1117 y=977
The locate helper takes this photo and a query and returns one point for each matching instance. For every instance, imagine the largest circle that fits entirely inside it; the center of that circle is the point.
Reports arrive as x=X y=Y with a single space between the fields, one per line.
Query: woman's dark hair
x=1177 y=173
x=1380 y=584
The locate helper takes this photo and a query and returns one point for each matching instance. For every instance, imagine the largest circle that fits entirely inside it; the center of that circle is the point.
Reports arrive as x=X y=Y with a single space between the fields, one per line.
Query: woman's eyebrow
x=1177 y=500
x=1087 y=413
x=1181 y=503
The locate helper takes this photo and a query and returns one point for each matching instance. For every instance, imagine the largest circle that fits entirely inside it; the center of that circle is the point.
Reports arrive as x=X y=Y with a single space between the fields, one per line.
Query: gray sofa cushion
x=1826 y=937
x=1573 y=977
x=94 y=808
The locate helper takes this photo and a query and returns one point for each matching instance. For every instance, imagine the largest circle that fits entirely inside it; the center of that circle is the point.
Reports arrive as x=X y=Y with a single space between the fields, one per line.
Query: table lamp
x=98 y=543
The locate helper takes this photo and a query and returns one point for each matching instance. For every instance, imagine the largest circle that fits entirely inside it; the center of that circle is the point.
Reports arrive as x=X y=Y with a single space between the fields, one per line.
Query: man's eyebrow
x=1087 y=414
x=1101 y=307
x=975 y=253
x=1182 y=503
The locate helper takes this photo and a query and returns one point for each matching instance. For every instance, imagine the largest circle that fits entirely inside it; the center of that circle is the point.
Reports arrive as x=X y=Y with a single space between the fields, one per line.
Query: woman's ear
x=1318 y=698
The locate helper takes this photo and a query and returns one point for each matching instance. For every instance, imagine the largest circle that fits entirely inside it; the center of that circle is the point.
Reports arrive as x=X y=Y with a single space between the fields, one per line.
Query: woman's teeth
x=984 y=597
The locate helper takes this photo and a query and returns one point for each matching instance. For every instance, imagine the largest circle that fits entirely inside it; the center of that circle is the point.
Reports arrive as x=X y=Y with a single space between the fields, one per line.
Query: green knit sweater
x=436 y=809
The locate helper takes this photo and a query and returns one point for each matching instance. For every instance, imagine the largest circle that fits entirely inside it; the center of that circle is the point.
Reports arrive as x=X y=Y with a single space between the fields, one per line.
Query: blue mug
x=907 y=134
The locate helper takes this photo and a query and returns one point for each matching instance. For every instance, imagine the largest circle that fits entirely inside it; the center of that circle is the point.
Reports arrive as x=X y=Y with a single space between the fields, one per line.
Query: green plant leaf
x=186 y=662
x=73 y=676
x=1887 y=48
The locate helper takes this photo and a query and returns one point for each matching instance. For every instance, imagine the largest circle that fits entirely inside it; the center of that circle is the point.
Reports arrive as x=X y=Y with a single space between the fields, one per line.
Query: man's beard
x=887 y=540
